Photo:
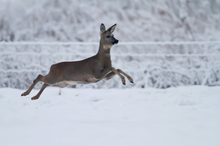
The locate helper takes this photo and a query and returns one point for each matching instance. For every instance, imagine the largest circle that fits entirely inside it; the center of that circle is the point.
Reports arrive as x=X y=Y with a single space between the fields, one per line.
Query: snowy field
x=183 y=116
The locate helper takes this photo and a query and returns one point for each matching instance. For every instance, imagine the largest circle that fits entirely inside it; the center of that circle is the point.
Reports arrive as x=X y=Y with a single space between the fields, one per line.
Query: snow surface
x=183 y=116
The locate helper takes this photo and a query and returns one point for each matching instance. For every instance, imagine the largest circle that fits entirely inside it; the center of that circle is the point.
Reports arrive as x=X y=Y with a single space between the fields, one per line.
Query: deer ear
x=112 y=28
x=102 y=27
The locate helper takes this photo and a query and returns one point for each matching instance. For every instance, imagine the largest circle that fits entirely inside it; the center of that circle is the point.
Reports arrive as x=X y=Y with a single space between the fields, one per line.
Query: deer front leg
x=115 y=71
x=127 y=76
x=109 y=75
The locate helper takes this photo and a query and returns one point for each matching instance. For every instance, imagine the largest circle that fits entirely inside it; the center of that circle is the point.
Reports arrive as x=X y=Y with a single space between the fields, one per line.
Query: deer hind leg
x=39 y=93
x=126 y=75
x=39 y=78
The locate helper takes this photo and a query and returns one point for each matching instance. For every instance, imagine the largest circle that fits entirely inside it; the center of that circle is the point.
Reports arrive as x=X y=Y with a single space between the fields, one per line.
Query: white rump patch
x=66 y=83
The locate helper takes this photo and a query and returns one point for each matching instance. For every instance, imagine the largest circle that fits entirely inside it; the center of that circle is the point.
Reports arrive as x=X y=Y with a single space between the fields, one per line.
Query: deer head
x=107 y=37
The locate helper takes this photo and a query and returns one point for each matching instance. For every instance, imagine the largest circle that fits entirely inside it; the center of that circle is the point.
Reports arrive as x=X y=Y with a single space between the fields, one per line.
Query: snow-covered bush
x=158 y=66
x=150 y=65
x=138 y=20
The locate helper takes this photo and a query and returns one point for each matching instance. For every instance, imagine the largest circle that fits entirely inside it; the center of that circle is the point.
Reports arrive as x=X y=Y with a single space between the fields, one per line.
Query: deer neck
x=104 y=52
x=104 y=55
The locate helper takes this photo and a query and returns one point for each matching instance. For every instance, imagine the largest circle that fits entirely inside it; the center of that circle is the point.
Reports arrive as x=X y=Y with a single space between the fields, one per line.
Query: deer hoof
x=24 y=94
x=34 y=98
x=131 y=80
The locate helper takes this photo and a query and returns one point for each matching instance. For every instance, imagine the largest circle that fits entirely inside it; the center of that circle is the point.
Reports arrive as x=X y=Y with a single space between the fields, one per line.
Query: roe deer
x=89 y=70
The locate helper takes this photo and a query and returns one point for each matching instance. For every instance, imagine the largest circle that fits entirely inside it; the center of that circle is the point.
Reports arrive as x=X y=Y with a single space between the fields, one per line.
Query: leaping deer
x=89 y=70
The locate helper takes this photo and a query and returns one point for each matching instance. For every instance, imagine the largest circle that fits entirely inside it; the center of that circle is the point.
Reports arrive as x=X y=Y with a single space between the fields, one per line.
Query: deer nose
x=116 y=41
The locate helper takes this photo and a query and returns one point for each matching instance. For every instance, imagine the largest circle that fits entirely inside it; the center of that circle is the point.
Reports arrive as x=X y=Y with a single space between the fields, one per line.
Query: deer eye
x=108 y=36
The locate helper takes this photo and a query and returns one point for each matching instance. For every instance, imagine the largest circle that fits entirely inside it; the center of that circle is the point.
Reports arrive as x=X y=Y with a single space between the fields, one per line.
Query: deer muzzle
x=115 y=41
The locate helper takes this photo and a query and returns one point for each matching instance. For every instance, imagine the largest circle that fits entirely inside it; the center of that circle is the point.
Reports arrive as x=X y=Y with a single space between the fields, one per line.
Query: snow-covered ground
x=183 y=116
